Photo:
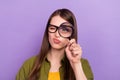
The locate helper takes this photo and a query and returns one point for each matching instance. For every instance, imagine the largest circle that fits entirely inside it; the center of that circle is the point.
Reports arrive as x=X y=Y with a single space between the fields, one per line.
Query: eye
x=66 y=29
x=52 y=28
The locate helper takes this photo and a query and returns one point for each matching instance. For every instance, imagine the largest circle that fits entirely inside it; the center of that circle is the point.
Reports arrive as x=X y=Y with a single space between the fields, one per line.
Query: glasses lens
x=52 y=28
x=65 y=31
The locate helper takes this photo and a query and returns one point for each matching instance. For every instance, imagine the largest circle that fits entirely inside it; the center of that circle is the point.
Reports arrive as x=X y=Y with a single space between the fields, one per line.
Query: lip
x=57 y=41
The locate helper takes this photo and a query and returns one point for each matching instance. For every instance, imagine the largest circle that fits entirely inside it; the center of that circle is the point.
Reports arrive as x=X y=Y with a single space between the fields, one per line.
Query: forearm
x=78 y=71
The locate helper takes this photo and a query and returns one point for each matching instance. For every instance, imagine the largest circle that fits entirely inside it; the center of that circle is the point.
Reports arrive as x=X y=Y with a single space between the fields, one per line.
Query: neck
x=55 y=55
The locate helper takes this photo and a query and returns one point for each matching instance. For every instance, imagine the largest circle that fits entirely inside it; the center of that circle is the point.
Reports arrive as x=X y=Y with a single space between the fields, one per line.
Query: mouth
x=56 y=41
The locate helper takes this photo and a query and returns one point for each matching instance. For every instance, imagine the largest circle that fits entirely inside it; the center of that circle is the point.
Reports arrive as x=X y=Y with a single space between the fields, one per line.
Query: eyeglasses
x=65 y=29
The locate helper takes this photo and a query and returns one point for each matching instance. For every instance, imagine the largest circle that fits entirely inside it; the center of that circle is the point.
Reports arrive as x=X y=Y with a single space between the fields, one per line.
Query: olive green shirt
x=27 y=66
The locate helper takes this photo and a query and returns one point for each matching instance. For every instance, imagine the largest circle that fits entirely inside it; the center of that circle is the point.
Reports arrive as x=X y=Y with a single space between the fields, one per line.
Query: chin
x=57 y=47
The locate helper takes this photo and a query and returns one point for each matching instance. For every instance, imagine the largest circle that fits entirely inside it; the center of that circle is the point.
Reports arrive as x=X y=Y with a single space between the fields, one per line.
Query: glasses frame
x=58 y=27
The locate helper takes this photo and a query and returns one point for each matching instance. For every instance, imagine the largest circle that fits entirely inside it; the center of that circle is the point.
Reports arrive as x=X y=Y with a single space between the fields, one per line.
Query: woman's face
x=55 y=40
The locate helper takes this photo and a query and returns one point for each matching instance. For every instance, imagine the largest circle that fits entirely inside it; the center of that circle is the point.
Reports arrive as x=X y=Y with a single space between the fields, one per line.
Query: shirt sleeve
x=87 y=69
x=25 y=69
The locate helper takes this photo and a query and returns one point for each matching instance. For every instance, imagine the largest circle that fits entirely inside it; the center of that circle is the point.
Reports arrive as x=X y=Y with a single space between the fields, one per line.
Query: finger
x=74 y=46
x=68 y=53
x=67 y=48
x=72 y=41
x=77 y=52
x=76 y=49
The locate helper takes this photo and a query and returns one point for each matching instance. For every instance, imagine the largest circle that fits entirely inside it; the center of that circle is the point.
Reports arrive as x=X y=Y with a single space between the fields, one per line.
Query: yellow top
x=54 y=76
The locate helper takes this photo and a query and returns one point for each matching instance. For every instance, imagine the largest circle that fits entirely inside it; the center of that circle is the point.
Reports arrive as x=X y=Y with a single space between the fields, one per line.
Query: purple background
x=22 y=24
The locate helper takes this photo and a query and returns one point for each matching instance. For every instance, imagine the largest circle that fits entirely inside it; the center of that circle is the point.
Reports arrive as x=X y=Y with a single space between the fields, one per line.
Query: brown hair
x=45 y=47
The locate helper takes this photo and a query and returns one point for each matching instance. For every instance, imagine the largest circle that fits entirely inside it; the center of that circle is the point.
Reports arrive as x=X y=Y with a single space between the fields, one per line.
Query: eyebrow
x=59 y=26
x=53 y=25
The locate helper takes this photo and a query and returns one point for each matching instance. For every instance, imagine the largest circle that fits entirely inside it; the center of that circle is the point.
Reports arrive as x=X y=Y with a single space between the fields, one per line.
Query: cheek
x=50 y=37
x=65 y=41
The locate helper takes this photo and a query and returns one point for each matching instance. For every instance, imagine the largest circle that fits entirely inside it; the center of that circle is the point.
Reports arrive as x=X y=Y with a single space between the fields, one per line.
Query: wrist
x=76 y=65
x=78 y=71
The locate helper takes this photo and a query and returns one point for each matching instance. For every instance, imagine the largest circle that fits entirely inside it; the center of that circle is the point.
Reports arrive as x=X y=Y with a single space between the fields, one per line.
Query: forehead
x=57 y=20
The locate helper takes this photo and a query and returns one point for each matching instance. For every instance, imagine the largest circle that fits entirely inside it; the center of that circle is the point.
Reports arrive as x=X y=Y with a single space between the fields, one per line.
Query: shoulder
x=84 y=60
x=87 y=69
x=25 y=69
x=85 y=63
x=30 y=60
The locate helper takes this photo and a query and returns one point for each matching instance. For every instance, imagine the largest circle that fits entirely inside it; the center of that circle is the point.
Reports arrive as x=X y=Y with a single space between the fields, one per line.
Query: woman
x=60 y=55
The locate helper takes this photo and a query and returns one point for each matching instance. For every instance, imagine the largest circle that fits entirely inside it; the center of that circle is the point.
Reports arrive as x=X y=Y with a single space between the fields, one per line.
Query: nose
x=57 y=34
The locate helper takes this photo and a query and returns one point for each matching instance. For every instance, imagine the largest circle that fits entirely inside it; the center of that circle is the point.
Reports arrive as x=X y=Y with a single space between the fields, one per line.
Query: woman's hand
x=73 y=51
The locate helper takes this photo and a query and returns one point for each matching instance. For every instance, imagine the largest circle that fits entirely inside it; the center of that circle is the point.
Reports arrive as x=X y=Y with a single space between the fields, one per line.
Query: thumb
x=68 y=52
x=67 y=48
